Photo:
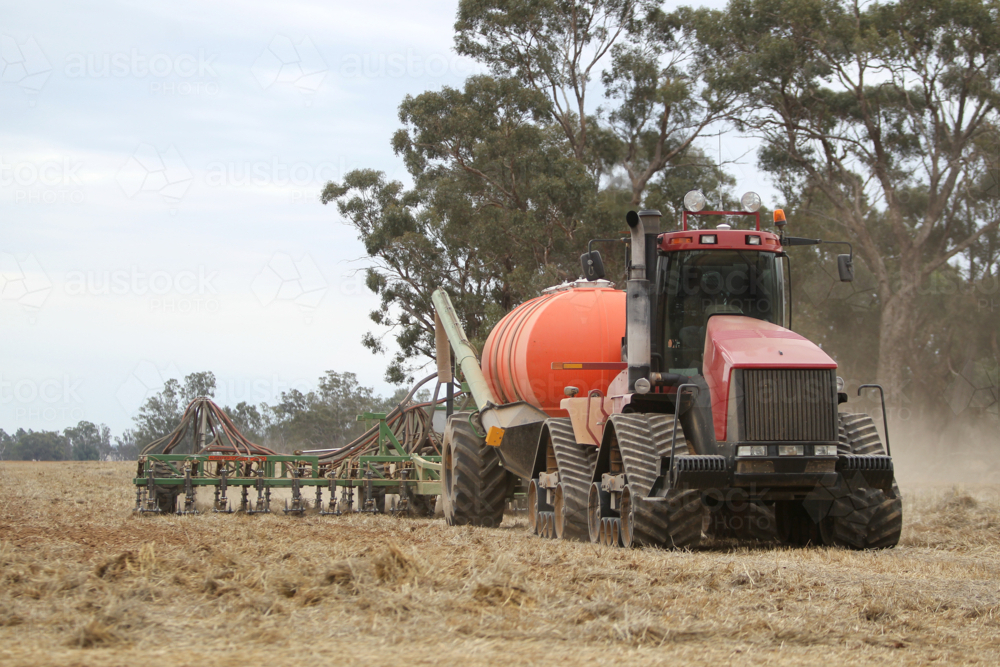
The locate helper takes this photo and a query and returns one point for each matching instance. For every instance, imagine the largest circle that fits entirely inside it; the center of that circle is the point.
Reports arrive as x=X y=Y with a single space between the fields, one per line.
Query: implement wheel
x=166 y=496
x=475 y=485
x=422 y=506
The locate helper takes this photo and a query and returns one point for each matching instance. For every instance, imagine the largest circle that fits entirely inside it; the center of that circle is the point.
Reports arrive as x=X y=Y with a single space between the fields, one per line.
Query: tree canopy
x=514 y=172
x=879 y=123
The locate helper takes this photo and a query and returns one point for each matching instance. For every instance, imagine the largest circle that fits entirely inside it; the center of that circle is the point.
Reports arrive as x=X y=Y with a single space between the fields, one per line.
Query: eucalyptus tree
x=517 y=169
x=882 y=117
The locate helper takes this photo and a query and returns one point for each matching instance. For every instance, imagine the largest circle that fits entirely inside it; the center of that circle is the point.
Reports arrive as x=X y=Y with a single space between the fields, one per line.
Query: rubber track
x=576 y=468
x=675 y=521
x=642 y=441
x=862 y=517
x=479 y=488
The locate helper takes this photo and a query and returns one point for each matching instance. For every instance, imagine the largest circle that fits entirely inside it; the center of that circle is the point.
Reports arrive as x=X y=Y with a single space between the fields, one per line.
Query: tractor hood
x=735 y=341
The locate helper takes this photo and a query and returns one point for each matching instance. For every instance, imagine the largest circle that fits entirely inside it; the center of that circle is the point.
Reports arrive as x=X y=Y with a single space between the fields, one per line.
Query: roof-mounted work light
x=694 y=201
x=750 y=202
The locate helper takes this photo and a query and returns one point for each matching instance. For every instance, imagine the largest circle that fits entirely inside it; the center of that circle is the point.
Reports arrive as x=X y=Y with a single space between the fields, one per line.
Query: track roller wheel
x=598 y=509
x=536 y=506
x=628 y=519
x=474 y=489
x=610 y=531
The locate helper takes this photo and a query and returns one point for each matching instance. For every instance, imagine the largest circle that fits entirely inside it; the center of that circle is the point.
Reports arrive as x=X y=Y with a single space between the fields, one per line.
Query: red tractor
x=683 y=406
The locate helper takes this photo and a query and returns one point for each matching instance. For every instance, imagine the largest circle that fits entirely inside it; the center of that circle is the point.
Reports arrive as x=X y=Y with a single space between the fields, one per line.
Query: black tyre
x=674 y=522
x=378 y=493
x=475 y=485
x=166 y=496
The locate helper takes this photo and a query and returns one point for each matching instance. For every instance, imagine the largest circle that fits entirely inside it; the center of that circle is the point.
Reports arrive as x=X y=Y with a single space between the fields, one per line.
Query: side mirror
x=593 y=265
x=845 y=265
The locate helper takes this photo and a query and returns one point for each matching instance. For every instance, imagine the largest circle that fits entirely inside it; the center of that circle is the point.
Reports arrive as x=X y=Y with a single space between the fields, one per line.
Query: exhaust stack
x=638 y=318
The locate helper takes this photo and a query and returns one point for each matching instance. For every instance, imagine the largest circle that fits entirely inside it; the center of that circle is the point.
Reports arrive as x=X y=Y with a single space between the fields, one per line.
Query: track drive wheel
x=475 y=485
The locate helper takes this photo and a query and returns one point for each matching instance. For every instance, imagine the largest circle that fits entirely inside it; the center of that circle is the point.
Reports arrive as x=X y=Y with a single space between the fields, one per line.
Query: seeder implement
x=398 y=456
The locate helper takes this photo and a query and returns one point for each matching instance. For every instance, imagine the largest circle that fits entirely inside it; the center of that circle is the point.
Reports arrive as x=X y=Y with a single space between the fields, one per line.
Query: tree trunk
x=895 y=340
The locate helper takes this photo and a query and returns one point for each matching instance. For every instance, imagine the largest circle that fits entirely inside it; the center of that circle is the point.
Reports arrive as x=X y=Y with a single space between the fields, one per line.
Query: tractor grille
x=789 y=405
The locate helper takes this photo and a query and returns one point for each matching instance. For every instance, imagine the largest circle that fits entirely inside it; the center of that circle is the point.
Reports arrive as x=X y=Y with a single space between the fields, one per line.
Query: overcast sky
x=159 y=174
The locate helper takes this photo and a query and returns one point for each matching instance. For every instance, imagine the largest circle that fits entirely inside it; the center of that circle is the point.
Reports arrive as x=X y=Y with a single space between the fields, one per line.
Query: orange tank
x=583 y=322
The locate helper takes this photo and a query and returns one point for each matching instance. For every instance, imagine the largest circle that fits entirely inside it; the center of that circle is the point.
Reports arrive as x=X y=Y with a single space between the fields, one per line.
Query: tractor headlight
x=709 y=238
x=751 y=450
x=840 y=384
x=825 y=450
x=750 y=202
x=790 y=450
x=753 y=240
x=694 y=201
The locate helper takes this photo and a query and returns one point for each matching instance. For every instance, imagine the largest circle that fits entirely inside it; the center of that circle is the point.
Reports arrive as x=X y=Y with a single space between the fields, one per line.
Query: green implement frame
x=391 y=470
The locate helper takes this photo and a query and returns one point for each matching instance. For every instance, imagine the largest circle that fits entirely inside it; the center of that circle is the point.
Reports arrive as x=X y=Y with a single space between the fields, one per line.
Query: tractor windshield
x=696 y=284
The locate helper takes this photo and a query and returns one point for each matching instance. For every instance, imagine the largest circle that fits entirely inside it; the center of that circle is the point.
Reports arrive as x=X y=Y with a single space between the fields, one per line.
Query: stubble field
x=84 y=582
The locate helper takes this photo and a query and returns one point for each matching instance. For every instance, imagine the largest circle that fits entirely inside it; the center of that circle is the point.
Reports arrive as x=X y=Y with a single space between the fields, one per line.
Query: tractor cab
x=679 y=280
x=714 y=271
